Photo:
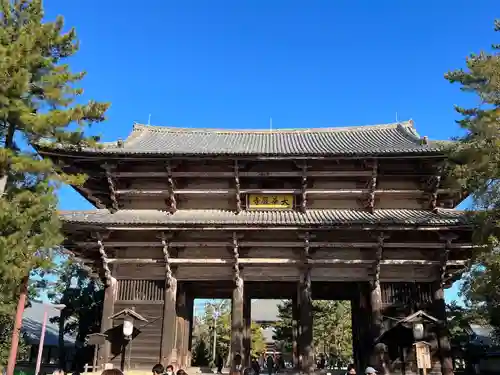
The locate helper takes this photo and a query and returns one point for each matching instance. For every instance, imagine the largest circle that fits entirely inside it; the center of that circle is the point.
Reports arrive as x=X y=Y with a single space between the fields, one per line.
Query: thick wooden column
x=188 y=331
x=378 y=351
x=180 y=337
x=111 y=288
x=439 y=310
x=168 y=353
x=295 y=332
x=306 y=347
x=247 y=335
x=237 y=319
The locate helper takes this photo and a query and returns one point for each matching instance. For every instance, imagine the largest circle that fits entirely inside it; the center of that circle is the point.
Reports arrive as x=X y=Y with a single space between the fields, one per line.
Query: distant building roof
x=482 y=334
x=265 y=310
x=33 y=321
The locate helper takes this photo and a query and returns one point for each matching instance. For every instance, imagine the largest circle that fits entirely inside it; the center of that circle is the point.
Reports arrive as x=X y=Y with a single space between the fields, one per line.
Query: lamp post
x=42 y=334
x=129 y=316
x=217 y=309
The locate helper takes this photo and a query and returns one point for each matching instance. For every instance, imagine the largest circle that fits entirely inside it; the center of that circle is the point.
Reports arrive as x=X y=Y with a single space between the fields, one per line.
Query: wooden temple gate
x=362 y=214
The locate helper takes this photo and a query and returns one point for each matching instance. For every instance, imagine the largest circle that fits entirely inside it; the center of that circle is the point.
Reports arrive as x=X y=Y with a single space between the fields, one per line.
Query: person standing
x=255 y=366
x=219 y=363
x=351 y=370
x=270 y=364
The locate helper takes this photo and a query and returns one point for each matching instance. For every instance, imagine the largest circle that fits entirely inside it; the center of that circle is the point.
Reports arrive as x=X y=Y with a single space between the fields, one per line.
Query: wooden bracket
x=368 y=202
x=444 y=256
x=169 y=275
x=171 y=188
x=108 y=169
x=304 y=187
x=237 y=186
x=236 y=256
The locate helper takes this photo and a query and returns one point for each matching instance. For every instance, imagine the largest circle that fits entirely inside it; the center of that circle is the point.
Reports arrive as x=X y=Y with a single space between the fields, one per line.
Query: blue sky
x=235 y=64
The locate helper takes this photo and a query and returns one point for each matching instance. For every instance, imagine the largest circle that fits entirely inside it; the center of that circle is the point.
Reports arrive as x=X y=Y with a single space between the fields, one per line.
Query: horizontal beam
x=229 y=228
x=283 y=261
x=339 y=192
x=277 y=244
x=201 y=174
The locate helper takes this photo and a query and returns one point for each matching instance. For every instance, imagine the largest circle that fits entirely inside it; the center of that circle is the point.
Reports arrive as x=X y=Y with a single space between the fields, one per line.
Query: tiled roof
x=330 y=217
x=398 y=138
x=33 y=321
x=265 y=310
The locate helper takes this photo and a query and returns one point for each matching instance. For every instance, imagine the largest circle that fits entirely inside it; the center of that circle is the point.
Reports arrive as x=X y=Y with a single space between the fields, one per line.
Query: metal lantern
x=418 y=331
x=128 y=327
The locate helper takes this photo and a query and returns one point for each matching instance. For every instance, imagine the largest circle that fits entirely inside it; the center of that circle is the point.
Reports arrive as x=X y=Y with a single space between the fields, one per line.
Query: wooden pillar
x=180 y=337
x=247 y=336
x=295 y=332
x=188 y=333
x=355 y=324
x=378 y=350
x=306 y=347
x=237 y=325
x=439 y=309
x=104 y=352
x=237 y=318
x=111 y=288
x=168 y=353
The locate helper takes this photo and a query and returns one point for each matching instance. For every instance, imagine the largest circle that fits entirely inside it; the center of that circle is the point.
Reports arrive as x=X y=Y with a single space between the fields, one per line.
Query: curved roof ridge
x=140 y=128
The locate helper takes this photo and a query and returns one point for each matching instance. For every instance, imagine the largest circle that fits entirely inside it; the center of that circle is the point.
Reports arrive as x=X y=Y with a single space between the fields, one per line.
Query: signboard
x=270 y=201
x=423 y=354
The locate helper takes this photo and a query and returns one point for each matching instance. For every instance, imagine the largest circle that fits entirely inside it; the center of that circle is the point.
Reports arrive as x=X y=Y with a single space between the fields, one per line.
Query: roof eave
x=124 y=154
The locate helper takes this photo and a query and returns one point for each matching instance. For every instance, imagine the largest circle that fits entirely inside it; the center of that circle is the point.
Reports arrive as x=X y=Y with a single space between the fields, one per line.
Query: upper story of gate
x=363 y=167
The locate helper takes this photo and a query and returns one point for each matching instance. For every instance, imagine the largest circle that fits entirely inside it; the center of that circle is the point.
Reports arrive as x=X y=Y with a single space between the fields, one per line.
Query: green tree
x=476 y=157
x=332 y=328
x=201 y=356
x=83 y=297
x=28 y=225
x=258 y=341
x=38 y=104
x=222 y=310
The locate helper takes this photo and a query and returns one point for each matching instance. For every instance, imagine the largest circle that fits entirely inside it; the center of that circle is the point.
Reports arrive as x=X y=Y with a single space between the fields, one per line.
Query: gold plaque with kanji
x=270 y=201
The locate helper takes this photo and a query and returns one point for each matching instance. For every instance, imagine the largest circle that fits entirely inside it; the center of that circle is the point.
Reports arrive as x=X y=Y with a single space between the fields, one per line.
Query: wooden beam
x=330 y=192
x=278 y=244
x=282 y=261
x=224 y=228
x=262 y=174
x=204 y=174
x=89 y=195
x=111 y=186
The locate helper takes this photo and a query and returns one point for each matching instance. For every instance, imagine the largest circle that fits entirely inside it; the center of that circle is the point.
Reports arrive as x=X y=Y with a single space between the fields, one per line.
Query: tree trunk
x=62 y=348
x=18 y=321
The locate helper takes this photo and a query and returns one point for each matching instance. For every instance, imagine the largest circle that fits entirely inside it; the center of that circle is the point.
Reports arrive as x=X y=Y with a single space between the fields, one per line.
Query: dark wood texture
x=306 y=345
x=144 y=348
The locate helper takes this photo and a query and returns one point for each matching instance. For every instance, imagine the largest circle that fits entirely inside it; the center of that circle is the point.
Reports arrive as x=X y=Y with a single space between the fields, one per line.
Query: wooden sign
x=270 y=201
x=423 y=354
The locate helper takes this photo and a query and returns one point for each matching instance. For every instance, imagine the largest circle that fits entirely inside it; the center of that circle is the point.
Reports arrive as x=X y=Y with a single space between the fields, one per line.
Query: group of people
x=158 y=369
x=351 y=370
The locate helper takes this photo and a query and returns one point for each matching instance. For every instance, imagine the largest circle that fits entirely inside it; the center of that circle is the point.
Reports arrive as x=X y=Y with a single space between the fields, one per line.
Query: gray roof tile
x=398 y=138
x=327 y=217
